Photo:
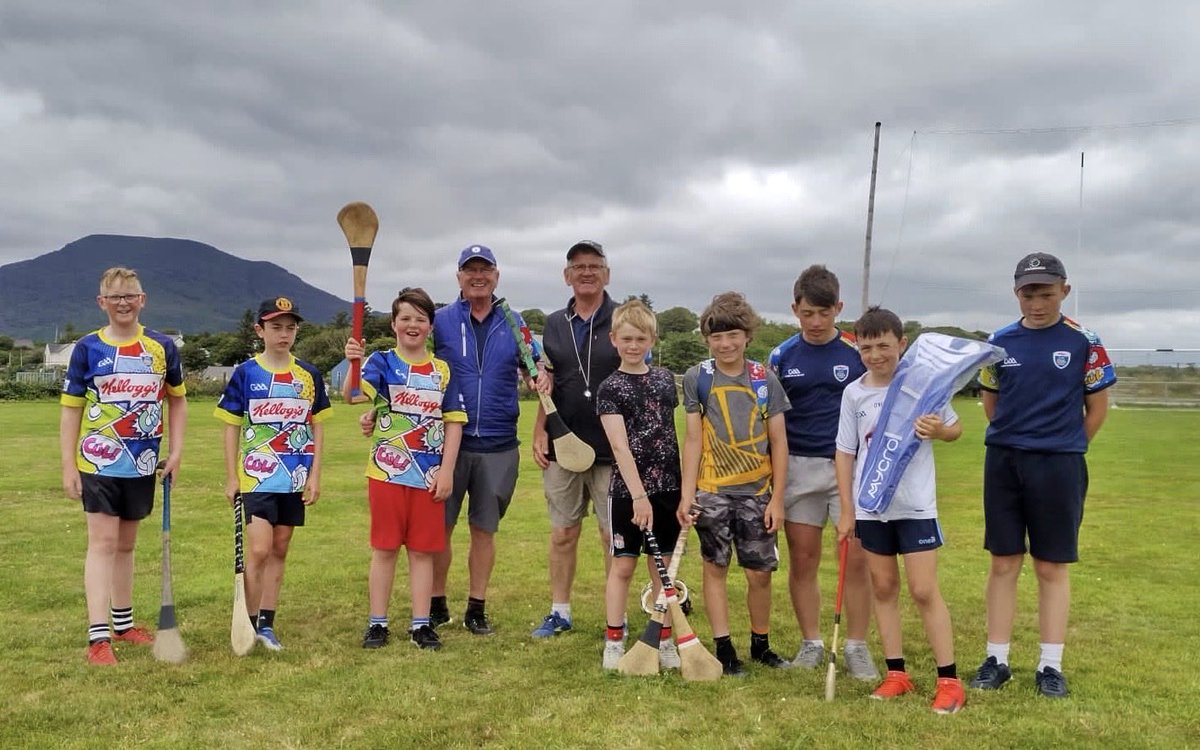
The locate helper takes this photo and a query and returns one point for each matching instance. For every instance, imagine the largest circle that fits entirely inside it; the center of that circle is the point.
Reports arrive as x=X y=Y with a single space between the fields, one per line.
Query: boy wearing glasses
x=109 y=435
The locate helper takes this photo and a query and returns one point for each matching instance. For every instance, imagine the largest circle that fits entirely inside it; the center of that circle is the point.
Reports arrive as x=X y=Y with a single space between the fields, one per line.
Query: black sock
x=438 y=603
x=759 y=644
x=895 y=665
x=253 y=620
x=266 y=618
x=723 y=645
x=474 y=606
x=950 y=670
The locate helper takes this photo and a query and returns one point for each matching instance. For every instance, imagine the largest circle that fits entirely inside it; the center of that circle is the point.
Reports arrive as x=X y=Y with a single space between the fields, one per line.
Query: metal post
x=870 y=223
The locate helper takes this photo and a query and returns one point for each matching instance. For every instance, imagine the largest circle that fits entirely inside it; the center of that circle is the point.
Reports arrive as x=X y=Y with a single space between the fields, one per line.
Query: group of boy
x=767 y=447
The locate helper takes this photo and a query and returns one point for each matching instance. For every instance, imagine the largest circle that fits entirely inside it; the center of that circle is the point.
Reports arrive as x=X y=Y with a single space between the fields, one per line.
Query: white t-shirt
x=916 y=495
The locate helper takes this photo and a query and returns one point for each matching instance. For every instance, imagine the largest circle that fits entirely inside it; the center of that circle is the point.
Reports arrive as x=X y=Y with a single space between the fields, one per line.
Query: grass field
x=1130 y=655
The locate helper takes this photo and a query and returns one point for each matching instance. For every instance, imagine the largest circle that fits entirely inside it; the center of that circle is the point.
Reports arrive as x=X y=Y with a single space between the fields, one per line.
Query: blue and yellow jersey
x=413 y=401
x=275 y=410
x=120 y=386
x=1042 y=383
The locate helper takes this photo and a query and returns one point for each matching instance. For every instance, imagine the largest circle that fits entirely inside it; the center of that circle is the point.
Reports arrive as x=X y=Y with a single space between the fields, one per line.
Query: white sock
x=815 y=642
x=562 y=608
x=1051 y=656
x=998 y=650
x=851 y=643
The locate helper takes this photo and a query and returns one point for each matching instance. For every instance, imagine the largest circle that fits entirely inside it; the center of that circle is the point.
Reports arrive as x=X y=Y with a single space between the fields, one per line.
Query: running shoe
x=771 y=659
x=859 y=664
x=895 y=684
x=613 y=651
x=136 y=635
x=950 y=696
x=375 y=637
x=668 y=655
x=810 y=655
x=1051 y=683
x=552 y=625
x=266 y=636
x=101 y=654
x=478 y=623
x=425 y=638
x=991 y=675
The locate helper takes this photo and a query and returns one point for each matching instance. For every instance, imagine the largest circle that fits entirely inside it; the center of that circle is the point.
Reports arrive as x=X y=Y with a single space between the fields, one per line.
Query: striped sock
x=98 y=632
x=122 y=619
x=418 y=622
x=379 y=620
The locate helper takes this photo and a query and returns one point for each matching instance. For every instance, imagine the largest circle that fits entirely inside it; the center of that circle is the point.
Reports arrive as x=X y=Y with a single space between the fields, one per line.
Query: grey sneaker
x=613 y=651
x=859 y=664
x=668 y=655
x=810 y=656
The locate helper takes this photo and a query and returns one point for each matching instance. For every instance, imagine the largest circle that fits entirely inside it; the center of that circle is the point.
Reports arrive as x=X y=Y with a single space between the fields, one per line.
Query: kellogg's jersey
x=275 y=410
x=412 y=400
x=120 y=386
x=814 y=376
x=1041 y=385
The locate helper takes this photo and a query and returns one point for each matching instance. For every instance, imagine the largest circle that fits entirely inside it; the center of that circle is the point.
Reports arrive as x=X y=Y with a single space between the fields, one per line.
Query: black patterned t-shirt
x=647 y=402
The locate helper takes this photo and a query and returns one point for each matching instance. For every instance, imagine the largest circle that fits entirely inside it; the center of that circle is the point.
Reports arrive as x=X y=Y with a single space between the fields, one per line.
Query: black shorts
x=900 y=537
x=276 y=508
x=628 y=540
x=1034 y=493
x=130 y=498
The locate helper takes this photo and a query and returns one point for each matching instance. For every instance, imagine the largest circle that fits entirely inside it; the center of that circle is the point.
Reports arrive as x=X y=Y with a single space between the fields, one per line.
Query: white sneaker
x=613 y=651
x=810 y=655
x=859 y=663
x=668 y=655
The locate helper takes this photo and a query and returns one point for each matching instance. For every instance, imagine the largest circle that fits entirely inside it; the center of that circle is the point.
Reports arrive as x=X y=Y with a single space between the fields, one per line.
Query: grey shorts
x=811 y=494
x=487 y=480
x=736 y=522
x=568 y=493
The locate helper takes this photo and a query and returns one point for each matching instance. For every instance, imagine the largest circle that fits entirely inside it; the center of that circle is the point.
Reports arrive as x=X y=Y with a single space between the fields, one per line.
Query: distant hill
x=192 y=287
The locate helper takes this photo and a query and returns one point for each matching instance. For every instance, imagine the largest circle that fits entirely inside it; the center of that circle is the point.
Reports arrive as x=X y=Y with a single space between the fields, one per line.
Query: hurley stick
x=168 y=644
x=360 y=224
x=831 y=673
x=642 y=657
x=242 y=634
x=695 y=663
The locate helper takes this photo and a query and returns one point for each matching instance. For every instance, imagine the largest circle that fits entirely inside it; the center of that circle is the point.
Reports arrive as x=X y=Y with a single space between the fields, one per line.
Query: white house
x=59 y=355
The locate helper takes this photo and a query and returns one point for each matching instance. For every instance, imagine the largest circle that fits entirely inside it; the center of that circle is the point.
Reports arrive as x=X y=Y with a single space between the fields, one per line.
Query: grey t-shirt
x=736 y=457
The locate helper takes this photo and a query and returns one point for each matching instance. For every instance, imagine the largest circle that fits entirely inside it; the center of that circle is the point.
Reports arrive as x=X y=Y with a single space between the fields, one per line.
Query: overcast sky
x=707 y=147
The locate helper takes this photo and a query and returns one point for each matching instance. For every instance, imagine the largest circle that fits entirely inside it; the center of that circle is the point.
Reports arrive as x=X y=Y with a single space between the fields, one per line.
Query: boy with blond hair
x=735 y=470
x=109 y=436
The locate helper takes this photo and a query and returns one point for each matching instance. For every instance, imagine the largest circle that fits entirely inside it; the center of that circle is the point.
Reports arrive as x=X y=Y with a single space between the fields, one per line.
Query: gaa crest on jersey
x=1062 y=359
x=841 y=372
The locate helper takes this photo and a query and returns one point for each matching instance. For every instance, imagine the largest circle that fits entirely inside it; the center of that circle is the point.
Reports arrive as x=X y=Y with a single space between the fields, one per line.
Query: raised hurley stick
x=360 y=224
x=831 y=673
x=642 y=657
x=242 y=634
x=570 y=452
x=168 y=644
x=695 y=663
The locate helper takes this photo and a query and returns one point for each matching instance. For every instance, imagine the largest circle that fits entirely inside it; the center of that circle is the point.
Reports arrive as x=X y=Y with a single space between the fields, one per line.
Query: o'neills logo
x=408 y=401
x=883 y=465
x=100 y=450
x=133 y=387
x=260 y=465
x=278 y=410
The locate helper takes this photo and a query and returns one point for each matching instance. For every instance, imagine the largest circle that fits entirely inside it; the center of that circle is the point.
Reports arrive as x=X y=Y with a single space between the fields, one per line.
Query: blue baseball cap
x=476 y=251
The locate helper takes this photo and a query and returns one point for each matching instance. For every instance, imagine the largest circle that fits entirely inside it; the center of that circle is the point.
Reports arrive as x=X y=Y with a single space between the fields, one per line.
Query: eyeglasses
x=116 y=298
x=477 y=270
x=587 y=267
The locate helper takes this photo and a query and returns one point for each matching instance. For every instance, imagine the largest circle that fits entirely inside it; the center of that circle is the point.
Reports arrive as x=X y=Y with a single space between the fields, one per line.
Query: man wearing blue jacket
x=473 y=337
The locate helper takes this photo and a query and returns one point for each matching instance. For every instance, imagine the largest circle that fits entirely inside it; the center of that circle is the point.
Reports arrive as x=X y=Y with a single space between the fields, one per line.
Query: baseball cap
x=1038 y=268
x=476 y=251
x=276 y=306
x=585 y=246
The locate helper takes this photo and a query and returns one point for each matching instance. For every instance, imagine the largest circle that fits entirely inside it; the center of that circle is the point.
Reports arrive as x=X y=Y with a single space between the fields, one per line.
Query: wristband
x=639 y=497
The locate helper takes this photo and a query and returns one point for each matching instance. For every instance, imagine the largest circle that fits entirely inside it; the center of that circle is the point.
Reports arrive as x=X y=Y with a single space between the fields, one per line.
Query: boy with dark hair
x=109 y=435
x=815 y=366
x=419 y=414
x=273 y=408
x=909 y=525
x=636 y=406
x=1044 y=403
x=735 y=470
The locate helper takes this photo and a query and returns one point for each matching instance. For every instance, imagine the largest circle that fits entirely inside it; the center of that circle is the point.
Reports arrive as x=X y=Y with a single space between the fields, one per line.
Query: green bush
x=11 y=390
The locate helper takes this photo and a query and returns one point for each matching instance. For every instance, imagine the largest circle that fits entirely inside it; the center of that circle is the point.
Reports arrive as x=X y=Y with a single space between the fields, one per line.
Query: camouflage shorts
x=736 y=522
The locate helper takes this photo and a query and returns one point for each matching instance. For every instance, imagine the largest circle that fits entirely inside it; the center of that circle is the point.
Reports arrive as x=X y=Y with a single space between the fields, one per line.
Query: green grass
x=1130 y=654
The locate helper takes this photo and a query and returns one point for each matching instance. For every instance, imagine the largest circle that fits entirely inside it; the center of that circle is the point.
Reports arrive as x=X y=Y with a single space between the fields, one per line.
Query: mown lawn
x=1130 y=655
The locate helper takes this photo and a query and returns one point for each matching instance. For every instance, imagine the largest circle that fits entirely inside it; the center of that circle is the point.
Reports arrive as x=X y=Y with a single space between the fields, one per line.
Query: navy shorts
x=1036 y=494
x=628 y=540
x=276 y=508
x=130 y=498
x=729 y=522
x=900 y=537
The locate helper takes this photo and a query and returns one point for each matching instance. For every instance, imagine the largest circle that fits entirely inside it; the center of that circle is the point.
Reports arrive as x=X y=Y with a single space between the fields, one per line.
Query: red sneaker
x=136 y=635
x=950 y=696
x=101 y=654
x=894 y=685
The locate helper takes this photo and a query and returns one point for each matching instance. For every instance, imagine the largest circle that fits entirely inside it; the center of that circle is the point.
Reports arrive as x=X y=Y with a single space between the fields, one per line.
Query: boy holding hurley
x=1044 y=404
x=273 y=408
x=109 y=435
x=735 y=469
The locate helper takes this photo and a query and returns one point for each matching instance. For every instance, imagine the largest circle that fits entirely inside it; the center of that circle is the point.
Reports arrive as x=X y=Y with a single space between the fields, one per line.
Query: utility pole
x=866 y=285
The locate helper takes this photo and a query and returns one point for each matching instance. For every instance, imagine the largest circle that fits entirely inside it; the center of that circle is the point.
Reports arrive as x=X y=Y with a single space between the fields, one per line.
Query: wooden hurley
x=242 y=634
x=696 y=664
x=570 y=452
x=360 y=224
x=642 y=657
x=831 y=672
x=168 y=643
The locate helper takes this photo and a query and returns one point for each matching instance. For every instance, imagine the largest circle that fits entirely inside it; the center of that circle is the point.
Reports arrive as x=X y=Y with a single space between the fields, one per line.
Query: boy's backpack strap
x=704 y=383
x=758 y=384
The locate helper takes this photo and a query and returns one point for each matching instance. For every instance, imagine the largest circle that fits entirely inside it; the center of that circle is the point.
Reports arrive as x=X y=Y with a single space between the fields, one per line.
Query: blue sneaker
x=552 y=625
x=266 y=636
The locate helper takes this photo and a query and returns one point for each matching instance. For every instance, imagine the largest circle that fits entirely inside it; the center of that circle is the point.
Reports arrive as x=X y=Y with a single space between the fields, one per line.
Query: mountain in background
x=191 y=287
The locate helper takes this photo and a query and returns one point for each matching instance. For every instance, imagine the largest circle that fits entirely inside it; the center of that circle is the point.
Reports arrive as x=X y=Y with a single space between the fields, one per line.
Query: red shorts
x=405 y=517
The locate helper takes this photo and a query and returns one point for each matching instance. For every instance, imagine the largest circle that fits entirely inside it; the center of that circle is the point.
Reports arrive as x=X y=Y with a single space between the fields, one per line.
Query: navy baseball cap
x=276 y=306
x=585 y=246
x=1038 y=268
x=476 y=251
